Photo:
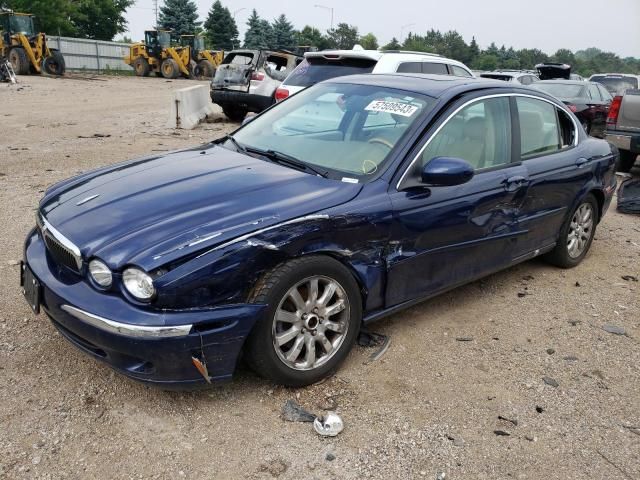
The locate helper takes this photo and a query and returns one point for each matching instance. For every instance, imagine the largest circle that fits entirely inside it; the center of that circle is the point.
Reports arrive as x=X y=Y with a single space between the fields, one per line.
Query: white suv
x=319 y=66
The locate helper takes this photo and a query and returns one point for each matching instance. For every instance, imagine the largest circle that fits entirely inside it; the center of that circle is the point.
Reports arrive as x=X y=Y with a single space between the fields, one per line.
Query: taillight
x=281 y=94
x=572 y=107
x=614 y=110
x=257 y=76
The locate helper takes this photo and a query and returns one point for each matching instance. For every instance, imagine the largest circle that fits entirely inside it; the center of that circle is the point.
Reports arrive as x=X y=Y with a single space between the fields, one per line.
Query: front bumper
x=624 y=141
x=155 y=347
x=253 y=103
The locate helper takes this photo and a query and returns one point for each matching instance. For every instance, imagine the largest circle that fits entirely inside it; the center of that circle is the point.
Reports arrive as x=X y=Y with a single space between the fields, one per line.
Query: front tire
x=576 y=235
x=206 y=69
x=627 y=160
x=313 y=315
x=19 y=61
x=170 y=69
x=141 y=67
x=54 y=64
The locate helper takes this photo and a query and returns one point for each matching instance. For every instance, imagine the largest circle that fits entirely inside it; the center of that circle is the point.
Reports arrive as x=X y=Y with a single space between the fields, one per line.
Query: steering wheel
x=381 y=141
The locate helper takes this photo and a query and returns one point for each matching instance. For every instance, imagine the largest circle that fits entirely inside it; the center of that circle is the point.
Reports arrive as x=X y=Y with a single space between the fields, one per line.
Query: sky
x=611 y=25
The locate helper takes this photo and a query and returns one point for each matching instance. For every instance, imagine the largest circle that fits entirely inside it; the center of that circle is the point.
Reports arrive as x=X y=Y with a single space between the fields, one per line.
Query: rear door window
x=314 y=70
x=538 y=127
x=239 y=58
x=435 y=68
x=410 y=67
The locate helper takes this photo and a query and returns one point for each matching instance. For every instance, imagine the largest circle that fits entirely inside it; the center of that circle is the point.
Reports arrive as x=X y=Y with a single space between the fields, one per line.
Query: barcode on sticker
x=399 y=108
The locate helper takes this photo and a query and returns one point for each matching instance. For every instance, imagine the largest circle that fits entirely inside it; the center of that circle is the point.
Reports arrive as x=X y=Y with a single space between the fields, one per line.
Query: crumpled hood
x=153 y=211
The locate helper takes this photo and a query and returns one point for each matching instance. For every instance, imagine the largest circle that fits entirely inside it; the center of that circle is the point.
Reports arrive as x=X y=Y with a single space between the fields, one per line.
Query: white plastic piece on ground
x=189 y=106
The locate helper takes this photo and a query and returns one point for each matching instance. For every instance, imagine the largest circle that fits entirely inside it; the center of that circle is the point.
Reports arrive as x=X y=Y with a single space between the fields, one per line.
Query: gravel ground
x=461 y=390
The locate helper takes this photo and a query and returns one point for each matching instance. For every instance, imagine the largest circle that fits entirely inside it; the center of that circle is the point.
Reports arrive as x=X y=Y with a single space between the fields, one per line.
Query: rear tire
x=54 y=64
x=141 y=67
x=19 y=61
x=235 y=113
x=627 y=160
x=206 y=69
x=577 y=233
x=317 y=326
x=170 y=69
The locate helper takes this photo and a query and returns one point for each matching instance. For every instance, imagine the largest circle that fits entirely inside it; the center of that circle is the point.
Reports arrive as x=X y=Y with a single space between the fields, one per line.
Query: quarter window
x=479 y=133
x=435 y=68
x=594 y=93
x=538 y=127
x=410 y=67
x=459 y=72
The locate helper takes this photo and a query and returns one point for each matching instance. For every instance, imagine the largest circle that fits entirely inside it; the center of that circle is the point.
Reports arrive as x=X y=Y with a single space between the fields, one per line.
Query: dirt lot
x=431 y=404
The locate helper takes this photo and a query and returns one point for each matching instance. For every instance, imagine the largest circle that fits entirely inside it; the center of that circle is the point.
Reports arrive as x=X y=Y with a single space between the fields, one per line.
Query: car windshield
x=341 y=129
x=616 y=85
x=315 y=70
x=561 y=90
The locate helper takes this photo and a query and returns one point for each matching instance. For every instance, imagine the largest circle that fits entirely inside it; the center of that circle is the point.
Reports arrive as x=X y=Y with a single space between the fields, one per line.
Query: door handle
x=581 y=162
x=512 y=184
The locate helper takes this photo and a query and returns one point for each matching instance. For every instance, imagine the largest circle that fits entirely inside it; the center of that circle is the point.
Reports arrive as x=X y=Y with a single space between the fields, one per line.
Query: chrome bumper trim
x=127 y=329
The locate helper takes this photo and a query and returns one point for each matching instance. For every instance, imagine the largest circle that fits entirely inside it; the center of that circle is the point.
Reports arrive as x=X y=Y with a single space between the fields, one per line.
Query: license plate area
x=31 y=288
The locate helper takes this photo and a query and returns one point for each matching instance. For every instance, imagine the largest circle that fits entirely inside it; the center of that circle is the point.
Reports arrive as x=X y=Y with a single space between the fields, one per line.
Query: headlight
x=138 y=283
x=100 y=273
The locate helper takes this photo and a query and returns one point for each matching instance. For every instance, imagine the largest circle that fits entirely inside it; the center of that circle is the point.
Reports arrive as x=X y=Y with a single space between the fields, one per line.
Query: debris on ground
x=464 y=339
x=550 y=381
x=371 y=339
x=550 y=351
x=328 y=425
x=613 y=329
x=539 y=409
x=293 y=412
x=629 y=196
x=510 y=420
x=501 y=433
x=629 y=278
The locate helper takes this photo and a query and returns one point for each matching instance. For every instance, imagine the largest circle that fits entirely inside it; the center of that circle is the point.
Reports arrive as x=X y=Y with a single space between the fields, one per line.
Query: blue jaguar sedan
x=351 y=200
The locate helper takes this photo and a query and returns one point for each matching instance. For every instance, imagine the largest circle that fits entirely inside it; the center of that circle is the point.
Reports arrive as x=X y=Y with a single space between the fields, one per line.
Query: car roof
x=372 y=54
x=566 y=82
x=615 y=75
x=426 y=84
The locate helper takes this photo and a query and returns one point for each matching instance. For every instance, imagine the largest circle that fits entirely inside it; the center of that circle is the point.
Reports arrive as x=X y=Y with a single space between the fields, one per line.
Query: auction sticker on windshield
x=399 y=108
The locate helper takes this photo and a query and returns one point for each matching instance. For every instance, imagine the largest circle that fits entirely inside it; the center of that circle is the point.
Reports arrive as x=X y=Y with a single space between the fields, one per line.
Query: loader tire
x=54 y=64
x=206 y=69
x=19 y=61
x=141 y=67
x=170 y=69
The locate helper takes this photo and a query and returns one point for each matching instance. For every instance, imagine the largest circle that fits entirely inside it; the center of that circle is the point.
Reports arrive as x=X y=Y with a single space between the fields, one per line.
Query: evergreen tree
x=179 y=16
x=283 y=33
x=474 y=51
x=394 y=44
x=312 y=37
x=256 y=36
x=220 y=27
x=343 y=37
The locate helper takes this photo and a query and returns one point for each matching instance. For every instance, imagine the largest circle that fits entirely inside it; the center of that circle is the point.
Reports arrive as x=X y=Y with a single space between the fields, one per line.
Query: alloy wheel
x=311 y=323
x=580 y=230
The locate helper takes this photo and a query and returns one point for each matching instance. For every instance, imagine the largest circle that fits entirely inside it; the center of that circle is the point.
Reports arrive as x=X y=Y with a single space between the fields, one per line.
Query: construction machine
x=203 y=62
x=26 y=50
x=157 y=54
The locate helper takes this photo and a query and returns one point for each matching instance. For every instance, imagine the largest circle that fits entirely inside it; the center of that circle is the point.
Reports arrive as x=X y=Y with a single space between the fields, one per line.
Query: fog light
x=139 y=284
x=100 y=273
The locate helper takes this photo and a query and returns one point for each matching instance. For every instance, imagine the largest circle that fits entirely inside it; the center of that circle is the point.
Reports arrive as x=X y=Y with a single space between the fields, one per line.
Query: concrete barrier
x=189 y=106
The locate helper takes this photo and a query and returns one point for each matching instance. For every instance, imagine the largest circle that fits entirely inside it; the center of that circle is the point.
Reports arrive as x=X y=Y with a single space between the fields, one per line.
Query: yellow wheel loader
x=157 y=55
x=203 y=62
x=26 y=50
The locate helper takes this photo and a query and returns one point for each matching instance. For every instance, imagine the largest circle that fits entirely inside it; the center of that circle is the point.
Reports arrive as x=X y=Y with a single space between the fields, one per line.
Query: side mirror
x=446 y=171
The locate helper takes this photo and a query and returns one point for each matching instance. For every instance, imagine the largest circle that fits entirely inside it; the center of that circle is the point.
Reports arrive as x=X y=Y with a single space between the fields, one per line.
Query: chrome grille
x=59 y=247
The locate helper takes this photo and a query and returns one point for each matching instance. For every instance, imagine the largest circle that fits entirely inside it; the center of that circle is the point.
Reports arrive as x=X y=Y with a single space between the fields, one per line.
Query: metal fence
x=94 y=55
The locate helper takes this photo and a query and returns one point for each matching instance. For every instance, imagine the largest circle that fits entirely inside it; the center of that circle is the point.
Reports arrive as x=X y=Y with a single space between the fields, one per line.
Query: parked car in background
x=588 y=100
x=551 y=71
x=575 y=76
x=623 y=127
x=517 y=76
x=282 y=239
x=247 y=80
x=319 y=66
x=616 y=83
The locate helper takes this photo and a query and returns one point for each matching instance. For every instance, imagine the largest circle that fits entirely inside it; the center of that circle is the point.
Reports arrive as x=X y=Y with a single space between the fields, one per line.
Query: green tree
x=258 y=34
x=394 y=44
x=101 y=19
x=369 y=41
x=220 y=28
x=529 y=58
x=487 y=61
x=474 y=52
x=312 y=37
x=343 y=37
x=284 y=36
x=179 y=16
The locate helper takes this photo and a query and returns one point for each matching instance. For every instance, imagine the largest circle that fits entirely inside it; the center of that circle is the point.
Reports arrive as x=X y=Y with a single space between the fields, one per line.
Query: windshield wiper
x=286 y=159
x=236 y=144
